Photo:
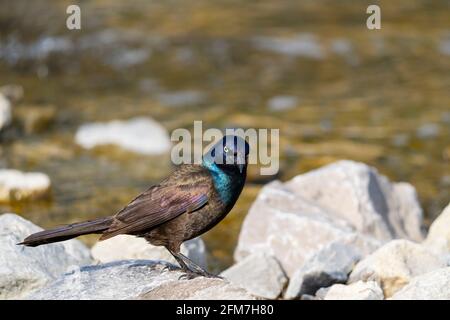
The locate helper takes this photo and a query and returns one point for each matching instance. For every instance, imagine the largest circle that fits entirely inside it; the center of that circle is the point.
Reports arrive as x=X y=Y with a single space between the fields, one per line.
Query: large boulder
x=395 y=264
x=260 y=274
x=139 y=135
x=434 y=285
x=361 y=196
x=125 y=247
x=438 y=239
x=135 y=279
x=330 y=265
x=24 y=269
x=356 y=291
x=17 y=186
x=346 y=202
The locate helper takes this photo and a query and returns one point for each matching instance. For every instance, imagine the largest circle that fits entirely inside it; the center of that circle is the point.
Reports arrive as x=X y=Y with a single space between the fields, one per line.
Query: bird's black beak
x=241 y=161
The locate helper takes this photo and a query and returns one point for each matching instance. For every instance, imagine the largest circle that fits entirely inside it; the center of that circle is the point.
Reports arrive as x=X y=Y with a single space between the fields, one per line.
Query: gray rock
x=330 y=265
x=302 y=45
x=395 y=264
x=356 y=291
x=346 y=202
x=140 y=135
x=125 y=247
x=444 y=46
x=182 y=98
x=260 y=274
x=24 y=269
x=434 y=285
x=428 y=131
x=5 y=111
x=134 y=279
x=438 y=239
x=17 y=186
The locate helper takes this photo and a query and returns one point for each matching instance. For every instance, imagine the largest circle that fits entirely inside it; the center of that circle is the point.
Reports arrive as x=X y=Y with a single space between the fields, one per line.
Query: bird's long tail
x=67 y=232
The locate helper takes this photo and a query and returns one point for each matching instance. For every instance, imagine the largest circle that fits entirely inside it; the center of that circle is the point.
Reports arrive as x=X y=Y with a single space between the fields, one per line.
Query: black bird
x=192 y=200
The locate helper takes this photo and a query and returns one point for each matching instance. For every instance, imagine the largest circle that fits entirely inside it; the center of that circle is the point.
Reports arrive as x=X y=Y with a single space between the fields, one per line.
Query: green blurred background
x=310 y=68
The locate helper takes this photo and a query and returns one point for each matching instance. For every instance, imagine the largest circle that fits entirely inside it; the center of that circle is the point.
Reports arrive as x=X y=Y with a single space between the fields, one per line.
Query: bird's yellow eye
x=225 y=149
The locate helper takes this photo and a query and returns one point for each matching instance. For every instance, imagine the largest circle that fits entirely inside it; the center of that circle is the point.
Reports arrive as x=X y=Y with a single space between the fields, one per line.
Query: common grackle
x=192 y=200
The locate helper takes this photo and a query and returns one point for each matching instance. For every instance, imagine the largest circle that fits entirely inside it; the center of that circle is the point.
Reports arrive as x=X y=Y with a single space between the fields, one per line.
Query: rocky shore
x=342 y=231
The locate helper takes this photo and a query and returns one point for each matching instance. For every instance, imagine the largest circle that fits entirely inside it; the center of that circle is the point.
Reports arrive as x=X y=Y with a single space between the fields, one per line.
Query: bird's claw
x=167 y=267
x=189 y=275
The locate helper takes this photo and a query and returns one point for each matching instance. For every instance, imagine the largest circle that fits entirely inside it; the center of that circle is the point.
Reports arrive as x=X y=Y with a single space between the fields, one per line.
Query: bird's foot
x=188 y=275
x=168 y=267
x=206 y=274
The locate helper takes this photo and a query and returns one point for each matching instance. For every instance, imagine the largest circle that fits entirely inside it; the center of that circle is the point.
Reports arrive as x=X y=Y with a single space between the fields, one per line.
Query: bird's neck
x=224 y=182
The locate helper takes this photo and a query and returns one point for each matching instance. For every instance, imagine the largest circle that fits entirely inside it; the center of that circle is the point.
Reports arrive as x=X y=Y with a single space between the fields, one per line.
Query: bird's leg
x=189 y=274
x=193 y=266
x=196 y=267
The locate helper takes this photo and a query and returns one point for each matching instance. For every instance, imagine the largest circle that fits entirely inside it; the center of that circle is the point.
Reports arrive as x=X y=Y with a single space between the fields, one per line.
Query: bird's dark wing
x=155 y=206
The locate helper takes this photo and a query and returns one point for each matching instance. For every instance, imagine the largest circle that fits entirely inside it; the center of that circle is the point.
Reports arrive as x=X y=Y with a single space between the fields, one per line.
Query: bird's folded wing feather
x=157 y=205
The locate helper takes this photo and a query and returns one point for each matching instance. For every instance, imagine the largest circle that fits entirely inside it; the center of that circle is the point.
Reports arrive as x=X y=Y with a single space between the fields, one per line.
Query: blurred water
x=311 y=68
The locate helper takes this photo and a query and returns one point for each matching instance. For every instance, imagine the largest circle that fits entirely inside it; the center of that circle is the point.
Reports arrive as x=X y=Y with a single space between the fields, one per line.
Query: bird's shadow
x=153 y=264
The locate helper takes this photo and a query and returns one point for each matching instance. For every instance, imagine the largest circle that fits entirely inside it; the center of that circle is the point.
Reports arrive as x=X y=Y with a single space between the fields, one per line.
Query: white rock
x=293 y=229
x=24 y=269
x=140 y=135
x=438 y=239
x=135 y=279
x=125 y=247
x=16 y=185
x=395 y=264
x=358 y=194
x=346 y=202
x=282 y=103
x=302 y=45
x=330 y=265
x=434 y=285
x=260 y=274
x=182 y=98
x=5 y=111
x=356 y=291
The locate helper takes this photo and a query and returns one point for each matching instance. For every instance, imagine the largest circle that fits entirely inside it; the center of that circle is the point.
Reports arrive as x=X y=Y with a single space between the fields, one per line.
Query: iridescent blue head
x=230 y=154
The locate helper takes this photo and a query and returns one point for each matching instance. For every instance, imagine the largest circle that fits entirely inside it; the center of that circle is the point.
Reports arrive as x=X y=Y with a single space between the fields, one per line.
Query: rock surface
x=330 y=265
x=140 y=135
x=24 y=269
x=356 y=291
x=395 y=264
x=358 y=194
x=438 y=239
x=124 y=247
x=5 y=111
x=259 y=274
x=135 y=279
x=17 y=186
x=434 y=285
x=346 y=202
